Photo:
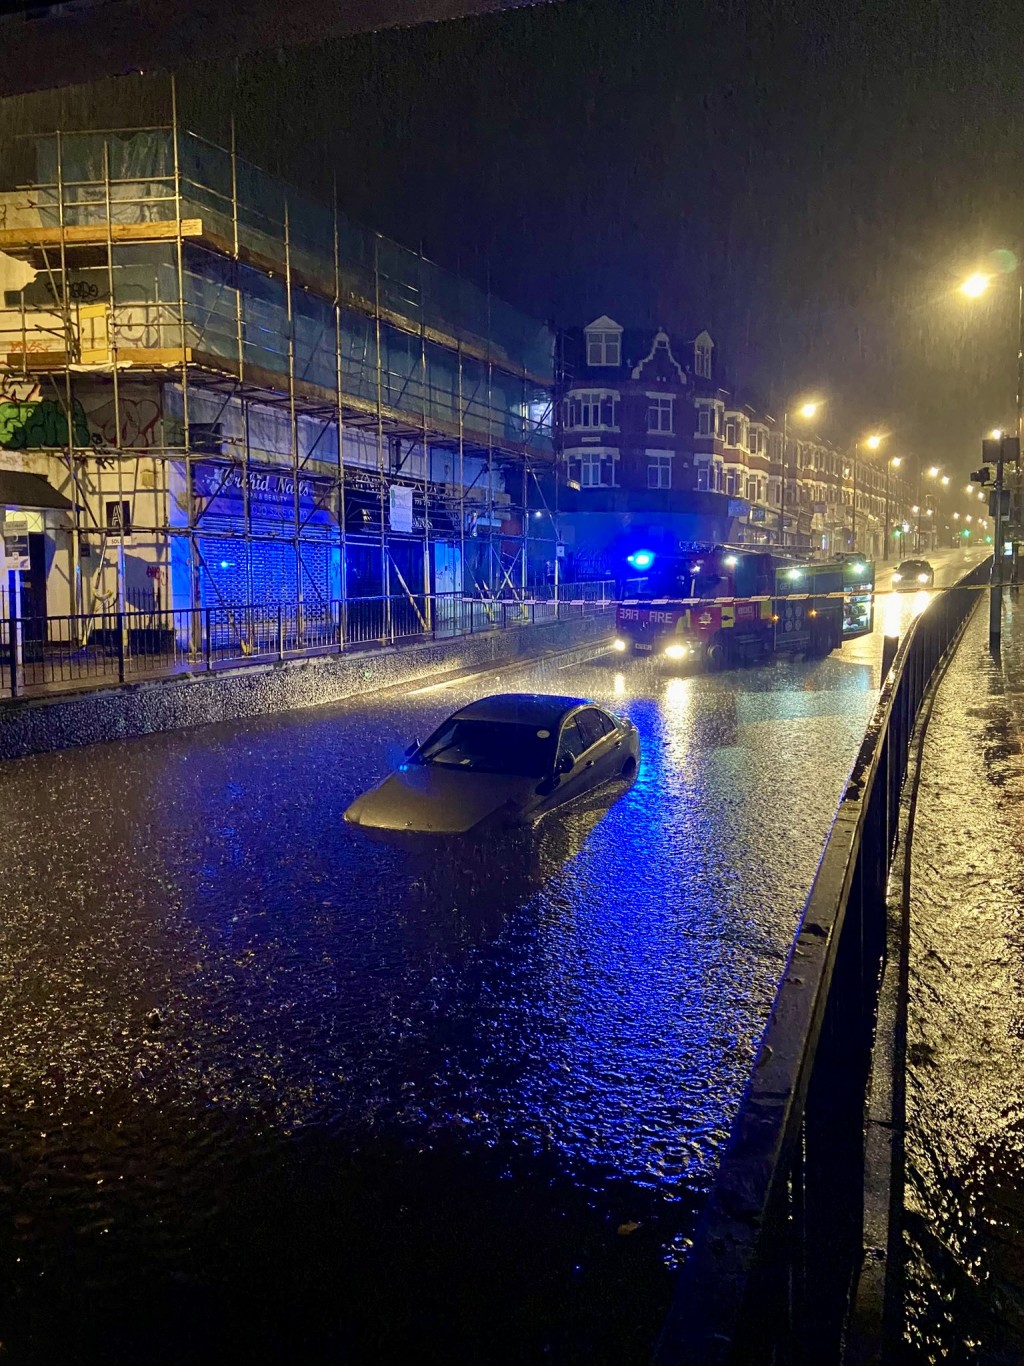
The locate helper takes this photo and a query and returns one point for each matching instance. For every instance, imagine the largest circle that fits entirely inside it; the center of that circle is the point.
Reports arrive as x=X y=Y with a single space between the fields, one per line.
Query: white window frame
x=659 y=406
x=604 y=347
x=732 y=431
x=590 y=457
x=706 y=420
x=590 y=402
x=659 y=463
x=702 y=360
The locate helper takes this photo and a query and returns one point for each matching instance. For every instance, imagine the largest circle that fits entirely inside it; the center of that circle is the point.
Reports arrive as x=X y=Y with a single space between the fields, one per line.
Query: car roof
x=526 y=708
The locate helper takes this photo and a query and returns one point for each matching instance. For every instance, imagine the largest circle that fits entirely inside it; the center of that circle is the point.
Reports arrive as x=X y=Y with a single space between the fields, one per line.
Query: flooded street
x=271 y=1088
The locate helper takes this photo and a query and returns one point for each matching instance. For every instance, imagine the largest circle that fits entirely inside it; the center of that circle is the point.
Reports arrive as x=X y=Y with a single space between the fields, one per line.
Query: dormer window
x=603 y=348
x=702 y=348
x=604 y=342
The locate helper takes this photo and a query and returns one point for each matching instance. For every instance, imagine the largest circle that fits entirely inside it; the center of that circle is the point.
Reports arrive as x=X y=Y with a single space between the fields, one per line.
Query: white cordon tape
x=789 y=597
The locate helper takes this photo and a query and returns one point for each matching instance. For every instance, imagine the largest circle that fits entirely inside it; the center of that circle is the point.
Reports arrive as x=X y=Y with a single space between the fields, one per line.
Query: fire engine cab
x=722 y=605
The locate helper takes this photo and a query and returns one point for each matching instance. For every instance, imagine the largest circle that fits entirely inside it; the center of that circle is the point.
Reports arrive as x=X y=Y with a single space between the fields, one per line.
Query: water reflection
x=550 y=1042
x=900 y=609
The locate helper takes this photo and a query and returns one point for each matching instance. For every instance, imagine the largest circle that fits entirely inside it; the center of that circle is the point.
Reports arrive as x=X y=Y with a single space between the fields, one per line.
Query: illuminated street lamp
x=805 y=410
x=975 y=285
x=872 y=442
x=893 y=463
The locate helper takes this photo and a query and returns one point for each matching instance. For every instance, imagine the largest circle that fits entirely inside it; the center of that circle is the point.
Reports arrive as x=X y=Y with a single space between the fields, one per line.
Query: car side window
x=607 y=723
x=590 y=727
x=572 y=741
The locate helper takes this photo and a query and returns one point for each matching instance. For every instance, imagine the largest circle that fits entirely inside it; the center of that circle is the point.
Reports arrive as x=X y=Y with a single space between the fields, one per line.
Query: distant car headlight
x=619 y=645
x=922 y=578
x=676 y=651
x=896 y=578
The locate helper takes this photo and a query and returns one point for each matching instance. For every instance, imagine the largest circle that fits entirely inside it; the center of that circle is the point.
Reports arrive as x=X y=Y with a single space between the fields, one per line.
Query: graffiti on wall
x=29 y=422
x=14 y=389
x=139 y=420
x=40 y=423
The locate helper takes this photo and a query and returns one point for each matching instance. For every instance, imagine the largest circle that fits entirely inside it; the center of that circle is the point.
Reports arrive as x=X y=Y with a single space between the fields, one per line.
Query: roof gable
x=659 y=358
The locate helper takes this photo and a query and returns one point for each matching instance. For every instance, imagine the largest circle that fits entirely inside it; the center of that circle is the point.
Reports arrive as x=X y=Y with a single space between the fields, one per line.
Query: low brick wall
x=41 y=725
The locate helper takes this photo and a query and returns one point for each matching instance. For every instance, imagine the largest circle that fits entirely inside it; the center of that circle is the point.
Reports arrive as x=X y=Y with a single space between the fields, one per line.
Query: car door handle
x=589 y=763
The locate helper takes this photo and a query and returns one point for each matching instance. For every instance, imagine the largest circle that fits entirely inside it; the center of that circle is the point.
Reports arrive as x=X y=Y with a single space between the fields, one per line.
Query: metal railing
x=61 y=653
x=779 y=1245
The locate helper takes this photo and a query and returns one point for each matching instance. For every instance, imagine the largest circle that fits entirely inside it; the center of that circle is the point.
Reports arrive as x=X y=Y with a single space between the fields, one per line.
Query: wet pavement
x=964 y=1223
x=273 y=1092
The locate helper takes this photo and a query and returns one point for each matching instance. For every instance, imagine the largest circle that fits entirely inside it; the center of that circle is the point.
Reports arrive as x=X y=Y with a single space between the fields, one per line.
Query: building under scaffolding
x=216 y=391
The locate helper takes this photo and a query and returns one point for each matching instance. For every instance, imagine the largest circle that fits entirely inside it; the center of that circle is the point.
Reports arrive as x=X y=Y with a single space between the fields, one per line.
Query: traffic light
x=986 y=475
x=966 y=533
x=1005 y=501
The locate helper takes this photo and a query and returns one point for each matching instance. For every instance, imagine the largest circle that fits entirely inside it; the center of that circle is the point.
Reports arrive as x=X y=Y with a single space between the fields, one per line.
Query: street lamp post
x=806 y=411
x=872 y=442
x=890 y=465
x=973 y=287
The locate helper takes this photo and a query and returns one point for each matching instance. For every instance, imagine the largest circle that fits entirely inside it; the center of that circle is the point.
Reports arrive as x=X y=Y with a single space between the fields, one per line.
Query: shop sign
x=220 y=491
x=15 y=541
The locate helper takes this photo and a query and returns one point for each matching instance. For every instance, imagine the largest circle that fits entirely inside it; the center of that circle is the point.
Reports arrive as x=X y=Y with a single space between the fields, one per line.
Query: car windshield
x=518 y=750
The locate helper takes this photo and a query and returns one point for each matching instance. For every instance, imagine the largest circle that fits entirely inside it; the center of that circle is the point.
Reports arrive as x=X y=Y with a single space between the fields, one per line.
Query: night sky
x=807 y=181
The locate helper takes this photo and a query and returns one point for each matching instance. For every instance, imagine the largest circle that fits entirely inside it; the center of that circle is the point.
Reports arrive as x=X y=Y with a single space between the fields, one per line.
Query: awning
x=30 y=491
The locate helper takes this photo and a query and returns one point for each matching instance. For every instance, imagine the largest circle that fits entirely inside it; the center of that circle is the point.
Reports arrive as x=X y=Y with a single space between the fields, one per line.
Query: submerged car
x=502 y=761
x=912 y=575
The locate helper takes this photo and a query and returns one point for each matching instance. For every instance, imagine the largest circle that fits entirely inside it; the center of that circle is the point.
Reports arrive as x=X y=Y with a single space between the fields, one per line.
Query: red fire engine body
x=721 y=605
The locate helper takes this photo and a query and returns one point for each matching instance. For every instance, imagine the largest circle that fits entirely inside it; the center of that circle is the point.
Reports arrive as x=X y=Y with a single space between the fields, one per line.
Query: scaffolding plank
x=157 y=357
x=13 y=240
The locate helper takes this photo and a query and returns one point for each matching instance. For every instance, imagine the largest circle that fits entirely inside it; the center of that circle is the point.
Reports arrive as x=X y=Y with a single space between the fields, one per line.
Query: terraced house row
x=651 y=448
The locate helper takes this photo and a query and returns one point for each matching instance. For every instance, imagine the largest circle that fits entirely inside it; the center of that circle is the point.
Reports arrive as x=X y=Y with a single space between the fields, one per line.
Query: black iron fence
x=779 y=1247
x=61 y=653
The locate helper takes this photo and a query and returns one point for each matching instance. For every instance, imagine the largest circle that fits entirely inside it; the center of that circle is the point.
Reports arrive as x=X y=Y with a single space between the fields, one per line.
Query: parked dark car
x=910 y=576
x=505 y=760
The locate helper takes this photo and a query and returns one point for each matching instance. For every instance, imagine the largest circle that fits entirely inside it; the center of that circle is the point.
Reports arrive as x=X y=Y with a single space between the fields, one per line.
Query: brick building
x=653 y=449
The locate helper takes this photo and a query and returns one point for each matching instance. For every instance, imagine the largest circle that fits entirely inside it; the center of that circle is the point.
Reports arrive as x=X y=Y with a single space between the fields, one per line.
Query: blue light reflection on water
x=587 y=1010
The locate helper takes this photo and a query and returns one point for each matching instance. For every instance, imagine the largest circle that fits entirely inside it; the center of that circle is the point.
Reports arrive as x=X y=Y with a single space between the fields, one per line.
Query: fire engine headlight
x=619 y=645
x=896 y=578
x=922 y=578
x=676 y=651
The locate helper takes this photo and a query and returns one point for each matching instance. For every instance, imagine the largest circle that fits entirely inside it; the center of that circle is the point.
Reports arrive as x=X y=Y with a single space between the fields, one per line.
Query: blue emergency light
x=641 y=559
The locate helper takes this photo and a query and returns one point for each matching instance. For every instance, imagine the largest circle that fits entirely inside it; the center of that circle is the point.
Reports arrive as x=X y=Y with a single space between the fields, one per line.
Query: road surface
x=274 y=1092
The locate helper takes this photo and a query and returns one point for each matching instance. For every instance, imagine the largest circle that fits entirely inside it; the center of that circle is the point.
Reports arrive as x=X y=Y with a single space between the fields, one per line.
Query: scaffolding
x=249 y=398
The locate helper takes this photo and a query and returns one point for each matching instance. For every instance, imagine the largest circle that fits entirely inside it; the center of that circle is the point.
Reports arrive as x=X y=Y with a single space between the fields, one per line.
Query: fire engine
x=723 y=605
